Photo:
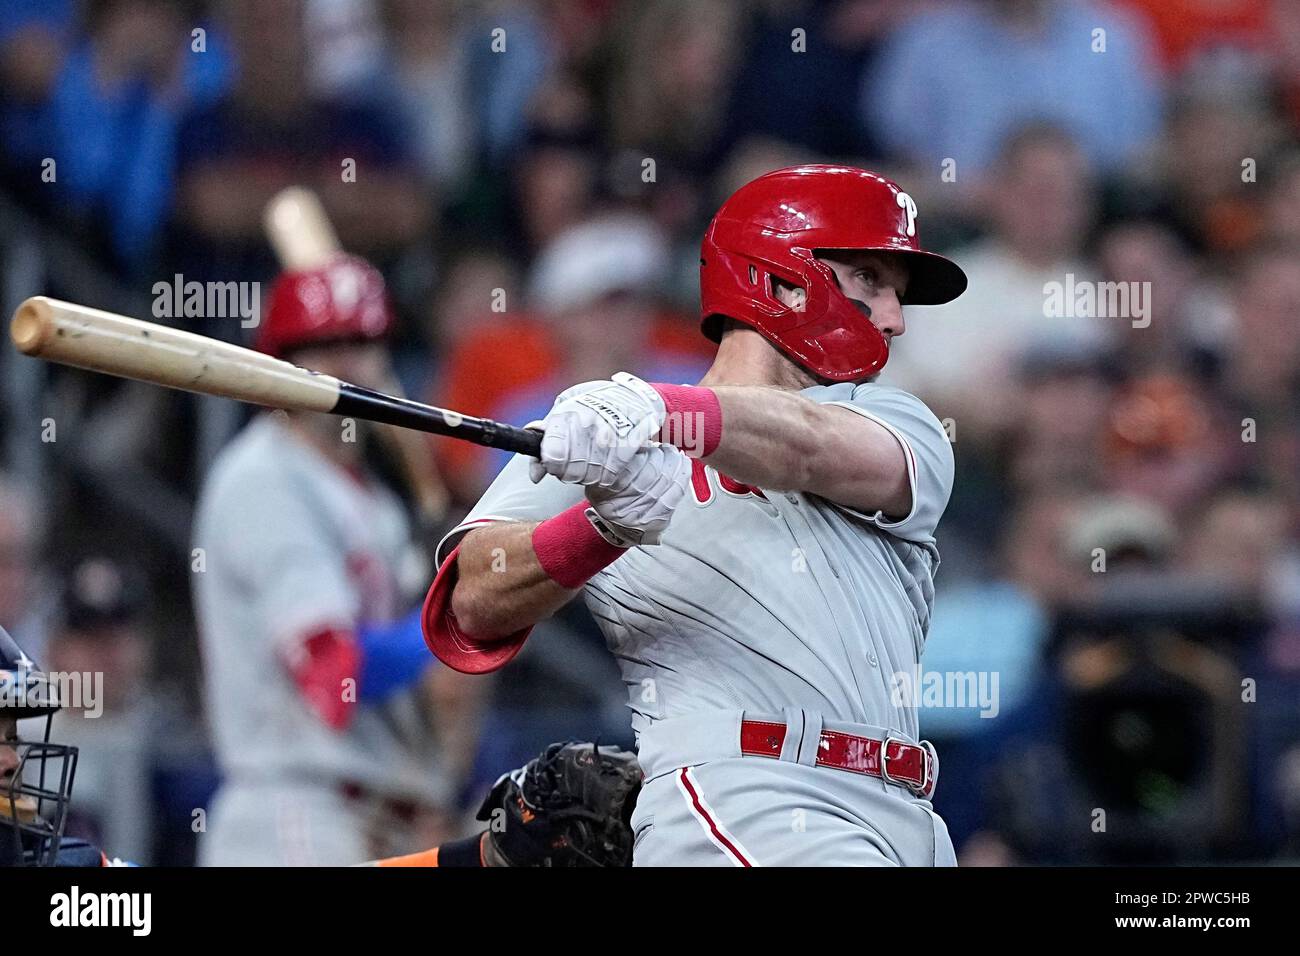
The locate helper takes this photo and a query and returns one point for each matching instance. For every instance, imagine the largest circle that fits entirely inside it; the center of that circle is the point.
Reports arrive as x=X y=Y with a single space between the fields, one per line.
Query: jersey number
x=702 y=484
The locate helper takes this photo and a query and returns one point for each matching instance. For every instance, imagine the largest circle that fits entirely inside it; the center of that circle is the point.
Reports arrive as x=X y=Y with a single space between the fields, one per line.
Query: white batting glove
x=595 y=430
x=636 y=511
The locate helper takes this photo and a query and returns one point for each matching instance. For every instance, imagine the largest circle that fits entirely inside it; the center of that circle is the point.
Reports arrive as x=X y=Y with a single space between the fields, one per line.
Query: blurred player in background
x=340 y=738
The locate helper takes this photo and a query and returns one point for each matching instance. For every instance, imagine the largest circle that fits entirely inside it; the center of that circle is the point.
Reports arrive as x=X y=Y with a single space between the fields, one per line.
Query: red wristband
x=570 y=549
x=694 y=418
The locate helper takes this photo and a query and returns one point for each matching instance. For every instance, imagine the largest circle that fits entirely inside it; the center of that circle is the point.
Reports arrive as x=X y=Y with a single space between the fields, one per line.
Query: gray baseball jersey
x=290 y=544
x=770 y=603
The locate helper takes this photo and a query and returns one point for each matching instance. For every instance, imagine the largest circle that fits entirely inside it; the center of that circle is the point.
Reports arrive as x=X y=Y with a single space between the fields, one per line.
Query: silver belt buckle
x=929 y=766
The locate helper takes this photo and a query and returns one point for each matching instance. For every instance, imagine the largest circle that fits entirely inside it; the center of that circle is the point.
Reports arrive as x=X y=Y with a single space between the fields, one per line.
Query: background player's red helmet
x=771 y=227
x=342 y=301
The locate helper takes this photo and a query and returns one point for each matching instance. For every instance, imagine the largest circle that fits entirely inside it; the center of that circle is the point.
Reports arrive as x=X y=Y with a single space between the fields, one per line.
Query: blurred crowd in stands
x=1123 y=546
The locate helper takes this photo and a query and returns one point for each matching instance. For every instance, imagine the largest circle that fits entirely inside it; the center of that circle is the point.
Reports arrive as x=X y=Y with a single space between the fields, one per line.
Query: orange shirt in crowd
x=489 y=362
x=1185 y=27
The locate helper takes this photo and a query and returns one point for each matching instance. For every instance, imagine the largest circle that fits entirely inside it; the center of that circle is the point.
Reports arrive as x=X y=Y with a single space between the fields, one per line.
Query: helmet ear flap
x=821 y=289
x=740 y=286
x=774 y=289
x=769 y=274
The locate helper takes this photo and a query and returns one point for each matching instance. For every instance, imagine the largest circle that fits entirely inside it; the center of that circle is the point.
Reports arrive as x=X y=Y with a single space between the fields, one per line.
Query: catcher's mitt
x=571 y=806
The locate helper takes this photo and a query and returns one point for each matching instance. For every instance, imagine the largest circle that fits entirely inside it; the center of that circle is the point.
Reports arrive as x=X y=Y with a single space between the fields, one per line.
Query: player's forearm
x=779 y=440
x=501 y=586
x=770 y=439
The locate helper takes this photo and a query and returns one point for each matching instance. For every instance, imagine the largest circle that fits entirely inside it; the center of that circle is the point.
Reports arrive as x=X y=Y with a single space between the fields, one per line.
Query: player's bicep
x=866 y=464
x=921 y=454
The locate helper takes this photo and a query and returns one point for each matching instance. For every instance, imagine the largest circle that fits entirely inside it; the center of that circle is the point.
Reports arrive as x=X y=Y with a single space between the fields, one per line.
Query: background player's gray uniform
x=292 y=544
x=781 y=606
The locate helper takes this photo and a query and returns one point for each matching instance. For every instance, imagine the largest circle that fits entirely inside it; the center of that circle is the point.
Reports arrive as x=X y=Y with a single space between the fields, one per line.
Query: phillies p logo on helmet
x=909 y=205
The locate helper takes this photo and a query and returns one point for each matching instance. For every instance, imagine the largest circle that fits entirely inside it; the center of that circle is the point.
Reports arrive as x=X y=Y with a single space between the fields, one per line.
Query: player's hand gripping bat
x=89 y=338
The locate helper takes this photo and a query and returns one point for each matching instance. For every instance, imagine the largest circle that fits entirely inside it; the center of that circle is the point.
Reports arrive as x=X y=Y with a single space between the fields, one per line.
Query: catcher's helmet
x=341 y=301
x=35 y=776
x=773 y=226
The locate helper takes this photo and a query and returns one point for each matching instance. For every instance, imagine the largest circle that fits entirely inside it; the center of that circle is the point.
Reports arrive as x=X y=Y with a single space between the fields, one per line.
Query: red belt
x=906 y=765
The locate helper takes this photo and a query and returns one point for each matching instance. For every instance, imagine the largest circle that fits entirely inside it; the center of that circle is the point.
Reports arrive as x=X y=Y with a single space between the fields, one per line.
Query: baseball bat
x=118 y=345
x=299 y=229
x=302 y=236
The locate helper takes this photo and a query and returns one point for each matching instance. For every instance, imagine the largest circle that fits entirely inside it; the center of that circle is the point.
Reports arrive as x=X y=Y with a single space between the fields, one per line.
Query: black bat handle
x=357 y=402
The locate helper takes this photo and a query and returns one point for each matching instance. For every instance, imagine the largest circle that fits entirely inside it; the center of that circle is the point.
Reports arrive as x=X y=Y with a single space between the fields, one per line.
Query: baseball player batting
x=759 y=548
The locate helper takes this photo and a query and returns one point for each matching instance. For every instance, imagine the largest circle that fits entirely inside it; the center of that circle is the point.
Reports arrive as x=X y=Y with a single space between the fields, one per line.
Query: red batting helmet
x=772 y=226
x=341 y=301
